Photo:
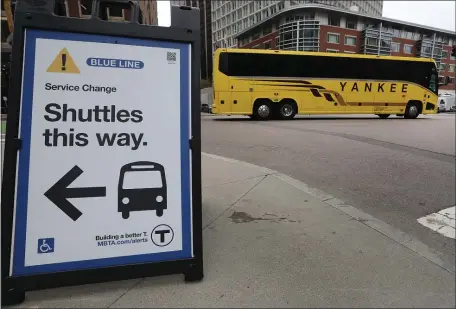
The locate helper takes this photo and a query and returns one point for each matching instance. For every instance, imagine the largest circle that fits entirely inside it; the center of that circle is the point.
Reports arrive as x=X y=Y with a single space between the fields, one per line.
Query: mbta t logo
x=162 y=235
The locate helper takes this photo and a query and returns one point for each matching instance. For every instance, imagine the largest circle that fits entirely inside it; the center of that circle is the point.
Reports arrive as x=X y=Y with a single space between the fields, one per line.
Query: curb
x=378 y=225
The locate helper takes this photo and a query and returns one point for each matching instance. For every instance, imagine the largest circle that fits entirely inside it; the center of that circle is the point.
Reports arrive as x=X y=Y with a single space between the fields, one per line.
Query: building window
x=267 y=30
x=277 y=42
x=85 y=7
x=115 y=13
x=267 y=45
x=281 y=5
x=444 y=54
x=452 y=80
x=408 y=49
x=451 y=68
x=334 y=21
x=329 y=50
x=442 y=67
x=441 y=79
x=395 y=47
x=333 y=38
x=396 y=33
x=350 y=24
x=452 y=58
x=350 y=40
x=372 y=41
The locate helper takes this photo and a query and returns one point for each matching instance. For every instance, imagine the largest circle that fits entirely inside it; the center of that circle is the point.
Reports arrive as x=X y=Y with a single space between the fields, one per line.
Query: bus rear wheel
x=383 y=116
x=262 y=110
x=287 y=109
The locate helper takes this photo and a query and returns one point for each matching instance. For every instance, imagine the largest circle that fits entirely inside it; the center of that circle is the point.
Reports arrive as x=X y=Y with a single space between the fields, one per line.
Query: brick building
x=314 y=27
x=83 y=9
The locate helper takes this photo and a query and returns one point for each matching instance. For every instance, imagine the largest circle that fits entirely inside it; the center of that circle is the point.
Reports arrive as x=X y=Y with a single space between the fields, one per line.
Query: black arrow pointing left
x=59 y=193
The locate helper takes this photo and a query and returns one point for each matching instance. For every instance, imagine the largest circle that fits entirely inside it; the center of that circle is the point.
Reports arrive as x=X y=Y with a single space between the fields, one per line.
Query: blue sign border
x=20 y=229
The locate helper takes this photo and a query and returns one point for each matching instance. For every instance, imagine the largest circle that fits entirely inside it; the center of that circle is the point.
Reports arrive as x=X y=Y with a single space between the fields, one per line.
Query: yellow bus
x=267 y=84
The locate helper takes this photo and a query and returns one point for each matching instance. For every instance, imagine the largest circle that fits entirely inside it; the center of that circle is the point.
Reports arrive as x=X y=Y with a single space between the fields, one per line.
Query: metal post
x=297 y=36
x=380 y=38
x=433 y=44
x=205 y=39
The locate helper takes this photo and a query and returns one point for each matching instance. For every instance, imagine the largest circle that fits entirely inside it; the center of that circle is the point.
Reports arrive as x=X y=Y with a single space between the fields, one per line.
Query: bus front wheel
x=412 y=111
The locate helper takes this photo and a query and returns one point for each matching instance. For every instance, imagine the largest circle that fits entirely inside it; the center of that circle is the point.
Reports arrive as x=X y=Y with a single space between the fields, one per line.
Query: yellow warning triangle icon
x=63 y=63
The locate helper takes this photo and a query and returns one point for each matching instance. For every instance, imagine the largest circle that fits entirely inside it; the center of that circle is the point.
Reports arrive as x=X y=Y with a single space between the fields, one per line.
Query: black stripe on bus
x=315 y=92
x=286 y=81
x=298 y=86
x=328 y=97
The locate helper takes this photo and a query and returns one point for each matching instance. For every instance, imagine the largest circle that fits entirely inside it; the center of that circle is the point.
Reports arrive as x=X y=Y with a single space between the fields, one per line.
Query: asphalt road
x=395 y=169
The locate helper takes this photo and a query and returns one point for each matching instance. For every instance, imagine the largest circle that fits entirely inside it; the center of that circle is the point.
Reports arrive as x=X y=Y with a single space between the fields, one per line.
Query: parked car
x=205 y=108
x=446 y=102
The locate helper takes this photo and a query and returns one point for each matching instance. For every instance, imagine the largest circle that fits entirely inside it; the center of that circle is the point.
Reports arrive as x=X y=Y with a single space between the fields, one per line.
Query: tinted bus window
x=246 y=64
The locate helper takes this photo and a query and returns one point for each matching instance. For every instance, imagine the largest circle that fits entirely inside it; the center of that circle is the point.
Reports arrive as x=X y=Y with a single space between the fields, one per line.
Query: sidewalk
x=270 y=242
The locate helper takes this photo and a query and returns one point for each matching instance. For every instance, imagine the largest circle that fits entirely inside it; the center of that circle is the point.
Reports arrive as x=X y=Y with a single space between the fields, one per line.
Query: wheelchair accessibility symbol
x=46 y=245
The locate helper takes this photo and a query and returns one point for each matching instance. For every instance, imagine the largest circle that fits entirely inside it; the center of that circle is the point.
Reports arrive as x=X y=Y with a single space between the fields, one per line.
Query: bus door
x=241 y=95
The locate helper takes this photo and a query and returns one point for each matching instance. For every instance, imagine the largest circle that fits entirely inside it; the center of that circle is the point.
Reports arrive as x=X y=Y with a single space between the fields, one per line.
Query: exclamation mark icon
x=64 y=62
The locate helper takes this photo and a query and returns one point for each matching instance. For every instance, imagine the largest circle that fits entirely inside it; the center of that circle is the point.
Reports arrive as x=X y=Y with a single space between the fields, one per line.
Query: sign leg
x=194 y=273
x=12 y=296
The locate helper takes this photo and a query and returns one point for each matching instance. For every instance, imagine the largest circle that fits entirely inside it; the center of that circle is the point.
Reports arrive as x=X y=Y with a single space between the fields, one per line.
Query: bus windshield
x=142 y=179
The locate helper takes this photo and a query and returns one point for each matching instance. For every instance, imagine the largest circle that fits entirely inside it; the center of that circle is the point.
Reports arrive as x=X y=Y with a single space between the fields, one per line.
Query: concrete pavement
x=272 y=241
x=397 y=170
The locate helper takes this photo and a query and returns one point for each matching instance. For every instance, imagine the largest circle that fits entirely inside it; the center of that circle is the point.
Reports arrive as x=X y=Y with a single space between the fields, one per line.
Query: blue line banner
x=115 y=63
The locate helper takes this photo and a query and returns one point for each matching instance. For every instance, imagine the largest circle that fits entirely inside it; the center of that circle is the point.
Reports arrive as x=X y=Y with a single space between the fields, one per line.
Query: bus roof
x=321 y=54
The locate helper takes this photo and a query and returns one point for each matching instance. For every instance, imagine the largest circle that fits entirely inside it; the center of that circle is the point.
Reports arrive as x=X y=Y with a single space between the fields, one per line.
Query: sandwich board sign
x=105 y=156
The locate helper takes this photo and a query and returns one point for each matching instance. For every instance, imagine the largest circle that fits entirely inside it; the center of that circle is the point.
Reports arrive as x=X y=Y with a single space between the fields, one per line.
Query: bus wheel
x=125 y=214
x=287 y=109
x=412 y=111
x=383 y=116
x=262 y=110
x=159 y=212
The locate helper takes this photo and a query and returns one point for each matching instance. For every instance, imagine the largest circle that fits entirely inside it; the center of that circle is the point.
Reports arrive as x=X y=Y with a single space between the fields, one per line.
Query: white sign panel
x=104 y=168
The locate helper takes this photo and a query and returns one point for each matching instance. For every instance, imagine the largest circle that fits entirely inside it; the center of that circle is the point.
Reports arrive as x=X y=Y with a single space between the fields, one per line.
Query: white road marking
x=442 y=222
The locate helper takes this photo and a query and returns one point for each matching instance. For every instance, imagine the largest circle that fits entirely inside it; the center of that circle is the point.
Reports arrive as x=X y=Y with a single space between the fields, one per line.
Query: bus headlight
x=125 y=200
x=159 y=198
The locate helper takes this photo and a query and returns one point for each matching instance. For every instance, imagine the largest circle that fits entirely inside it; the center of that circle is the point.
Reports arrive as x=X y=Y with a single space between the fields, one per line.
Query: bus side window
x=432 y=83
x=223 y=63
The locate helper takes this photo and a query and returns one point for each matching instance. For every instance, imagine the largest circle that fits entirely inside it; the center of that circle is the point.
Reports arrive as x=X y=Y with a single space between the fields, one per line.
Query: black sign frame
x=14 y=287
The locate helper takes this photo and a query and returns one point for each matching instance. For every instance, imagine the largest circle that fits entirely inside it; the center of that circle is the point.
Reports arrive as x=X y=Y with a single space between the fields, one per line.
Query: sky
x=438 y=14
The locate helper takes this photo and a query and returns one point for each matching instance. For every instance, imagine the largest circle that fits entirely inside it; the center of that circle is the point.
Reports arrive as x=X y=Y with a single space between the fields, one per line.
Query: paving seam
x=378 y=225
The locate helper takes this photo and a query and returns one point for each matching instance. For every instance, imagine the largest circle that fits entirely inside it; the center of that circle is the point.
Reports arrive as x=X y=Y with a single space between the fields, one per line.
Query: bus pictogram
x=142 y=186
